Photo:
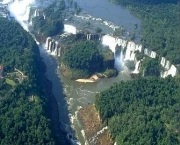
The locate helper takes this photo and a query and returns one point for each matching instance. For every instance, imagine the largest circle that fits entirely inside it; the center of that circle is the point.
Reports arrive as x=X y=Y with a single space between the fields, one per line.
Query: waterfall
x=167 y=66
x=147 y=52
x=44 y=16
x=47 y=42
x=137 y=67
x=88 y=36
x=119 y=60
x=59 y=51
x=169 y=69
x=35 y=13
x=163 y=62
x=20 y=10
x=138 y=48
x=130 y=55
x=130 y=48
x=153 y=54
x=70 y=29
x=172 y=71
x=53 y=47
x=93 y=37
x=110 y=41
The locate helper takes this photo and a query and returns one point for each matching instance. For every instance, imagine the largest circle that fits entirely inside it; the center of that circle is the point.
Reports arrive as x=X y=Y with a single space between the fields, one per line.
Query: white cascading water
x=36 y=13
x=138 y=48
x=169 y=69
x=53 y=47
x=167 y=66
x=172 y=71
x=147 y=52
x=70 y=29
x=112 y=42
x=163 y=61
x=153 y=54
x=130 y=47
x=119 y=63
x=137 y=67
x=130 y=55
x=44 y=16
x=20 y=10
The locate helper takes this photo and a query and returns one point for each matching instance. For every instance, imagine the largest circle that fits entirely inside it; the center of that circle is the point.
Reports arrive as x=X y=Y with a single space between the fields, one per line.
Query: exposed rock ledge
x=95 y=132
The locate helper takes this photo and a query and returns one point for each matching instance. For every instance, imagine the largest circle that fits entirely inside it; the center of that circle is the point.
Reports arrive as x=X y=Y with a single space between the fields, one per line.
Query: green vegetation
x=151 y=67
x=83 y=59
x=160 y=25
x=110 y=73
x=142 y=111
x=23 y=121
x=10 y=82
x=53 y=23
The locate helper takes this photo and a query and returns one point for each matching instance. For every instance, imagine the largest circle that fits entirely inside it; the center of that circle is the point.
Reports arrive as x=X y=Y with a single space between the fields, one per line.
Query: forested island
x=85 y=58
x=28 y=112
x=160 y=25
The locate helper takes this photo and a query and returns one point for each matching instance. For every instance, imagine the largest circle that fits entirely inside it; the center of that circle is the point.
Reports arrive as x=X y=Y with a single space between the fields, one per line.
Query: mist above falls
x=20 y=9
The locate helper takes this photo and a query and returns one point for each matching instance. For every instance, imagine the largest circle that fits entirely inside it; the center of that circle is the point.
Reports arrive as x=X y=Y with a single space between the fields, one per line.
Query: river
x=71 y=95
x=111 y=12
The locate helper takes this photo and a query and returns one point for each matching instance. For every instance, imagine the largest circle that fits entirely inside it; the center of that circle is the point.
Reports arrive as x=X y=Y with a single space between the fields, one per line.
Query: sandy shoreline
x=92 y=79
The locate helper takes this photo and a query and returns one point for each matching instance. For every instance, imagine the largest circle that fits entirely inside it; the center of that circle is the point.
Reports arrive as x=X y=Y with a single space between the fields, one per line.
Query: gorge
x=79 y=95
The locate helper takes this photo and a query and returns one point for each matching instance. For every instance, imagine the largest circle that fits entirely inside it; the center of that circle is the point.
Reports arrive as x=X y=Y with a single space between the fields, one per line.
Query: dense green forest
x=86 y=58
x=142 y=111
x=24 y=113
x=160 y=25
x=53 y=22
x=150 y=67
